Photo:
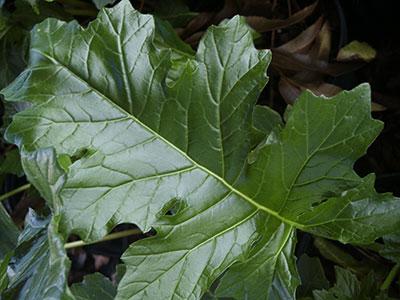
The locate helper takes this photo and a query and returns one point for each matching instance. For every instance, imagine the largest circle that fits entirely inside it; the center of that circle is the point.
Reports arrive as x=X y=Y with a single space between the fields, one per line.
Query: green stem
x=14 y=192
x=376 y=247
x=112 y=236
x=392 y=274
x=335 y=254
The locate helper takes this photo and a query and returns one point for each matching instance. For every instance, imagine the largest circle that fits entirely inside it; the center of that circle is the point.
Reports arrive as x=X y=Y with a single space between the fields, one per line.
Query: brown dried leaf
x=303 y=41
x=288 y=91
x=377 y=107
x=322 y=46
x=201 y=20
x=300 y=62
x=230 y=8
x=262 y=24
x=291 y=89
x=251 y=7
x=194 y=39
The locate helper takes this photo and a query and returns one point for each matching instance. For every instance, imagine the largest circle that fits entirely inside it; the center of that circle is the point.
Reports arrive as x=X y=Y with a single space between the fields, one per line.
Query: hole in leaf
x=318 y=203
x=172 y=208
x=255 y=242
x=65 y=160
x=81 y=153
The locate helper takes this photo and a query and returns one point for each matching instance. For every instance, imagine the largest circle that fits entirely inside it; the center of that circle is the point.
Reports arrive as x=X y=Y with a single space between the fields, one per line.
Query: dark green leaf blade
x=358 y=215
x=8 y=233
x=11 y=163
x=40 y=265
x=94 y=287
x=309 y=170
x=391 y=247
x=312 y=275
x=348 y=287
x=3 y=272
x=270 y=271
x=13 y=46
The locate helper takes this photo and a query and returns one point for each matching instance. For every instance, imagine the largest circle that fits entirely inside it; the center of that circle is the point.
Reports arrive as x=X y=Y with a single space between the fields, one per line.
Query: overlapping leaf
x=94 y=287
x=143 y=141
x=8 y=233
x=3 y=272
x=348 y=287
x=312 y=275
x=391 y=247
x=39 y=265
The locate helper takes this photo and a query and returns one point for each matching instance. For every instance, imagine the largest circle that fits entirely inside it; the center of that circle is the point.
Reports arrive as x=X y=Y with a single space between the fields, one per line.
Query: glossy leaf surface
x=142 y=142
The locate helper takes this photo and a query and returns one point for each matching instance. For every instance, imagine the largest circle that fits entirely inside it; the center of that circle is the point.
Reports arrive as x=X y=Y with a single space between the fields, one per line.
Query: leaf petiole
x=388 y=281
x=15 y=191
x=112 y=236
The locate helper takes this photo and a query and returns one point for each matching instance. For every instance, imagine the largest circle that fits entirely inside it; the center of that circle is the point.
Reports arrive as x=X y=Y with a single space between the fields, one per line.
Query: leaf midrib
x=207 y=171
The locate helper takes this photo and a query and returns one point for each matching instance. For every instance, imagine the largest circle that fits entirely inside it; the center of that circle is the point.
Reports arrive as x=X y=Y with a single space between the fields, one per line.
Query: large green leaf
x=144 y=142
